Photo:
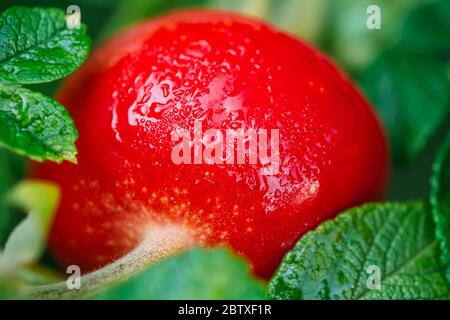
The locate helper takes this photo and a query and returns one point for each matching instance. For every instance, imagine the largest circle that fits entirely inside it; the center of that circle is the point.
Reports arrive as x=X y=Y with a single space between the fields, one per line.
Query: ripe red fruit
x=229 y=72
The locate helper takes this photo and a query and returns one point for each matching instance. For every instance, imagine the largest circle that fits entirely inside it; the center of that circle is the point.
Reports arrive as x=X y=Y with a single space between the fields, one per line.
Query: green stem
x=162 y=243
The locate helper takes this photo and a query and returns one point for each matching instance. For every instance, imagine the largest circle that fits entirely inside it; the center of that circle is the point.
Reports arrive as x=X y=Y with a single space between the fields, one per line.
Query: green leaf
x=27 y=242
x=440 y=202
x=198 y=274
x=34 y=125
x=411 y=95
x=37 y=46
x=335 y=261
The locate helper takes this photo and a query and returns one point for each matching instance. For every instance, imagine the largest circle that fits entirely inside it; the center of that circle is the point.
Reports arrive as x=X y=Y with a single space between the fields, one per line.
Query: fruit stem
x=163 y=242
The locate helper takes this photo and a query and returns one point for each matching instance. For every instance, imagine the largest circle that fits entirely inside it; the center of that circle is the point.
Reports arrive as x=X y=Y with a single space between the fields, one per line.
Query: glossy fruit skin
x=230 y=72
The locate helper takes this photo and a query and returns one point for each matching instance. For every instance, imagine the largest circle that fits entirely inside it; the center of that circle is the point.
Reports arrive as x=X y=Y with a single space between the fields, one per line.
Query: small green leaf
x=39 y=274
x=412 y=97
x=27 y=241
x=37 y=46
x=338 y=259
x=440 y=202
x=198 y=274
x=36 y=197
x=34 y=125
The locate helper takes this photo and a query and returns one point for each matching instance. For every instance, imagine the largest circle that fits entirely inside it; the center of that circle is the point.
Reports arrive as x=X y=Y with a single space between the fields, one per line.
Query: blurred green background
x=417 y=28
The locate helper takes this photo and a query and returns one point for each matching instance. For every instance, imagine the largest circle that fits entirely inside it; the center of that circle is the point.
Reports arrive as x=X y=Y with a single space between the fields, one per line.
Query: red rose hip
x=178 y=78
